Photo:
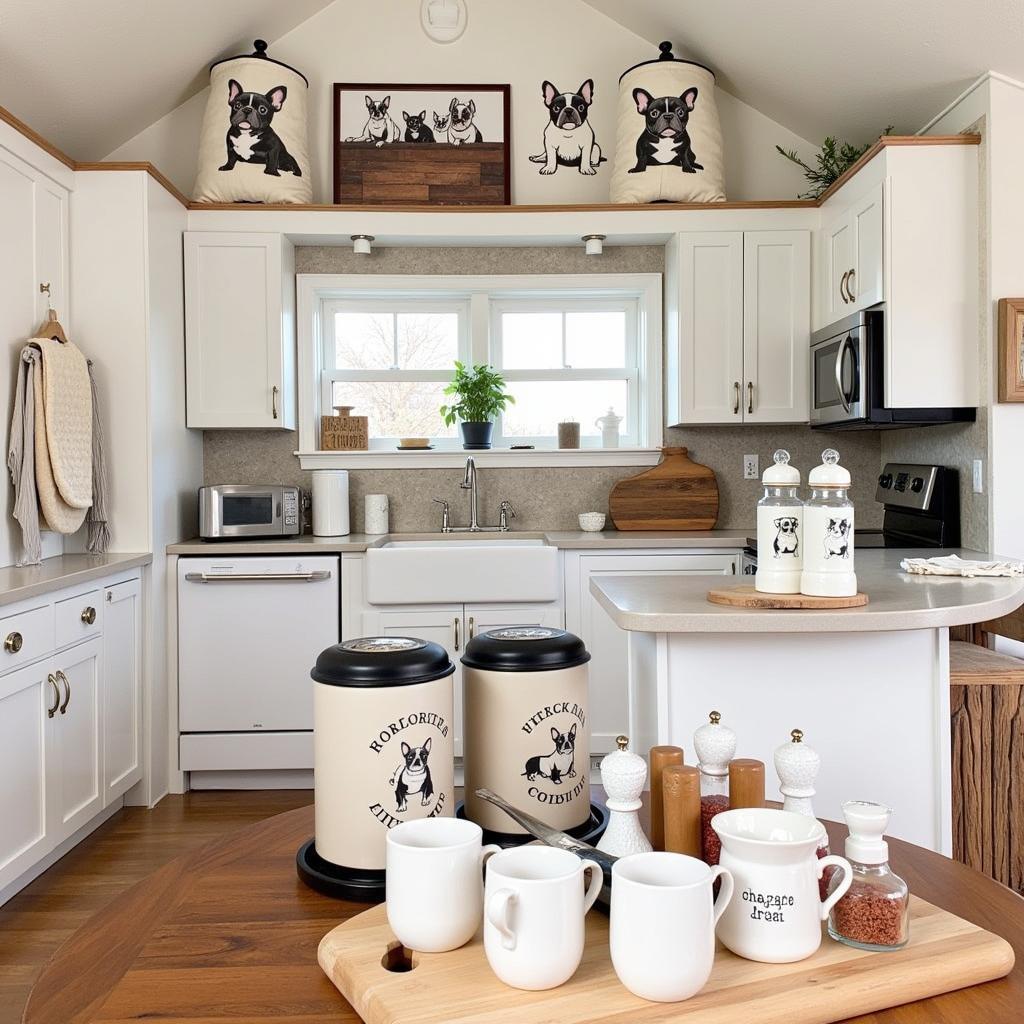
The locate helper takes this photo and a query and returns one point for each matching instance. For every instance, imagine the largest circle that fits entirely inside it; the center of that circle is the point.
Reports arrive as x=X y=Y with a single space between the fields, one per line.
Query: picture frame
x=422 y=144
x=1011 y=350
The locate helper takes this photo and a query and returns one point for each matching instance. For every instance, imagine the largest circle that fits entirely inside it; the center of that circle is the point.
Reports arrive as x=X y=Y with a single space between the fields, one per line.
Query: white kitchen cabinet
x=239 y=330
x=122 y=698
x=607 y=643
x=25 y=797
x=76 y=756
x=738 y=309
x=852 y=233
x=453 y=626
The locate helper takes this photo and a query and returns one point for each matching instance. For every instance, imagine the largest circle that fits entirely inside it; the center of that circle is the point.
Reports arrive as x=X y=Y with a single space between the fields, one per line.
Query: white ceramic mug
x=535 y=902
x=434 y=882
x=776 y=911
x=663 y=923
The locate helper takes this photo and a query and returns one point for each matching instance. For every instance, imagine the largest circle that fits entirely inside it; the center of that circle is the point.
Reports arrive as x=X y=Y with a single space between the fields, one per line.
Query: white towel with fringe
x=953 y=565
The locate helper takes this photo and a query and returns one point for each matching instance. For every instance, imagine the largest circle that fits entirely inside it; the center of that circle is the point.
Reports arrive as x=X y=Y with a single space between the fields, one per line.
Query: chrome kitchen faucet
x=505 y=509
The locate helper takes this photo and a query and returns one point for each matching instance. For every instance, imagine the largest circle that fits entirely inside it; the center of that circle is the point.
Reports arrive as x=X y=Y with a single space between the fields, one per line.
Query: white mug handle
x=487 y=852
x=840 y=890
x=596 y=882
x=497 y=914
x=725 y=892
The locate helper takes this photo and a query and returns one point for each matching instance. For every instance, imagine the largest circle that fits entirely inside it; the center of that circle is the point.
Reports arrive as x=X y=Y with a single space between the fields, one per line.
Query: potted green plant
x=479 y=396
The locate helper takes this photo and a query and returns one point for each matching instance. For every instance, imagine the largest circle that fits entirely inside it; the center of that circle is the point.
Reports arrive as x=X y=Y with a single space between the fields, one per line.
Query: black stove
x=921 y=508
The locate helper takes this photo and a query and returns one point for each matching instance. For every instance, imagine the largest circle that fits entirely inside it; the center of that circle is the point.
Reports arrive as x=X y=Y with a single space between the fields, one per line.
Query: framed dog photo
x=421 y=145
x=1011 y=350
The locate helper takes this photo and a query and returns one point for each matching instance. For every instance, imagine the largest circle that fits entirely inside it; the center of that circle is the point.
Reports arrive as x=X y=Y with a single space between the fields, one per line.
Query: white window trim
x=313 y=290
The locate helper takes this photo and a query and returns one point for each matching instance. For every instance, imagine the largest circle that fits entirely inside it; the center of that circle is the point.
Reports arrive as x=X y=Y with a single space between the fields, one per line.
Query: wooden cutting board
x=748 y=597
x=944 y=953
x=677 y=494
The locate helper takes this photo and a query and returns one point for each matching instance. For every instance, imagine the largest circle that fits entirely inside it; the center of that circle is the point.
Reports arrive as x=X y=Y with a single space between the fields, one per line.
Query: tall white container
x=330 y=503
x=780 y=517
x=828 y=531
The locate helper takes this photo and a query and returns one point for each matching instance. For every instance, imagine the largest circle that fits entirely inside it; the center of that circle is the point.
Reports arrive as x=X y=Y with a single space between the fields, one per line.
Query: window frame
x=318 y=294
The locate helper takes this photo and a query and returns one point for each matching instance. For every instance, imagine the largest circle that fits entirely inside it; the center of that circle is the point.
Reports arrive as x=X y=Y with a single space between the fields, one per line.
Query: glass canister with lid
x=780 y=516
x=828 y=531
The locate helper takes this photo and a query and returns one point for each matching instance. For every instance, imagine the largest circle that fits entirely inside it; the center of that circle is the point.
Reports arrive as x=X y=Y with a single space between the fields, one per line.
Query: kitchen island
x=868 y=686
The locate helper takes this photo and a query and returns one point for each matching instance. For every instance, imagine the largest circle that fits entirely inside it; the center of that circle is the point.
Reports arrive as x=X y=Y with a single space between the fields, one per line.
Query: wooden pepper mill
x=661 y=758
x=681 y=788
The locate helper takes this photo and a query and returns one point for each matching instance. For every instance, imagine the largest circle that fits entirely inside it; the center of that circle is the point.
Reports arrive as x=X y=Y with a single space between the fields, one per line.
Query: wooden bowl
x=414 y=442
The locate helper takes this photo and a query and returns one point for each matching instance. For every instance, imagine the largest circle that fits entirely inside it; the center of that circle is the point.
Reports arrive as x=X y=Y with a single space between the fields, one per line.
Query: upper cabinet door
x=865 y=285
x=776 y=326
x=838 y=251
x=706 y=373
x=239 y=330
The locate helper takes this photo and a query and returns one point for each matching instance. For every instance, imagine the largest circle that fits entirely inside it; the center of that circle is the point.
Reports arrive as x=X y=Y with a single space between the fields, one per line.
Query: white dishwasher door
x=249 y=631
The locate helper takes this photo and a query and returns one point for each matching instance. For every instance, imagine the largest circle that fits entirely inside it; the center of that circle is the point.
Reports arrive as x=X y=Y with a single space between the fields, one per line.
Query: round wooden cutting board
x=677 y=494
x=748 y=597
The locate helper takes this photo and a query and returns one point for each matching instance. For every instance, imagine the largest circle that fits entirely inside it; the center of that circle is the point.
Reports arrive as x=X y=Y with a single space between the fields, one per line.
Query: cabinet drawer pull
x=67 y=686
x=13 y=643
x=472 y=627
x=50 y=712
x=89 y=615
x=842 y=287
x=750 y=396
x=850 y=275
x=455 y=627
x=273 y=399
x=736 y=398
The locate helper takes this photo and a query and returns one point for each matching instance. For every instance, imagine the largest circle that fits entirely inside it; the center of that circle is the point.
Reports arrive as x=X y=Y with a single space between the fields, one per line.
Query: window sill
x=455 y=458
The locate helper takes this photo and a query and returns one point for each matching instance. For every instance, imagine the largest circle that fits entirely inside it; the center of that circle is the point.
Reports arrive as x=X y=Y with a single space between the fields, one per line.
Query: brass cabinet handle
x=736 y=399
x=750 y=396
x=89 y=615
x=455 y=627
x=472 y=627
x=850 y=275
x=14 y=642
x=842 y=287
x=67 y=686
x=50 y=712
x=273 y=399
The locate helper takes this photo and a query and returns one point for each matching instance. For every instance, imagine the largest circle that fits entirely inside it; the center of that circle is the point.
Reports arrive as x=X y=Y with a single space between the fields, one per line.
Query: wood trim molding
x=34 y=137
x=141 y=165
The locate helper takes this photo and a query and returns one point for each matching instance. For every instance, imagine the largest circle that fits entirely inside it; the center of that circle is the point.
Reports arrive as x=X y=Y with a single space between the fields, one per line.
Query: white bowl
x=592 y=522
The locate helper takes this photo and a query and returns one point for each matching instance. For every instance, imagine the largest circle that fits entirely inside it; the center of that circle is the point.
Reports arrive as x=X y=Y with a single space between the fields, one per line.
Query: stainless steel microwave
x=229 y=511
x=848 y=379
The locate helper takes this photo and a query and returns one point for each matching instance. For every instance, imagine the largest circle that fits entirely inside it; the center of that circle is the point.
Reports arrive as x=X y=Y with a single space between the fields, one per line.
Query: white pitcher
x=776 y=910
x=608 y=424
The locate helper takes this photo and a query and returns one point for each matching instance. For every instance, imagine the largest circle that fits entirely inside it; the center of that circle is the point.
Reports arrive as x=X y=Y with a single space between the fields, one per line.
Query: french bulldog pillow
x=253 y=143
x=668 y=143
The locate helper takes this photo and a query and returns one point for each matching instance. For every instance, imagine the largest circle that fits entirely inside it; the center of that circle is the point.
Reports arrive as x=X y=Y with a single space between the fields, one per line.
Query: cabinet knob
x=89 y=615
x=13 y=643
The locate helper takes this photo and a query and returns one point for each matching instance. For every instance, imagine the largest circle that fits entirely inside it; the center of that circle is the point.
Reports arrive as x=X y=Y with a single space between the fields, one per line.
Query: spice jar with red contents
x=875 y=912
x=797 y=766
x=715 y=745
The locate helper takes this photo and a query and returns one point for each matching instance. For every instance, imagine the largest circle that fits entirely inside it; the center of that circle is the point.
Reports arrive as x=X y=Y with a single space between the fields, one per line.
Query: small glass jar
x=875 y=912
x=828 y=532
x=715 y=745
x=780 y=516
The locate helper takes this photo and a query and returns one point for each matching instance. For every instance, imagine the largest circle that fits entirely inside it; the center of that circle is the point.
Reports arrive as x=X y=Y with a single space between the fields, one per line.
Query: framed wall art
x=1011 y=350
x=421 y=145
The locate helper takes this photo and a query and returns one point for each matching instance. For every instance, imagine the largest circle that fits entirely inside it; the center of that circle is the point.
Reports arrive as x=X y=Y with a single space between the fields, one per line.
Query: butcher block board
x=748 y=597
x=944 y=953
x=677 y=494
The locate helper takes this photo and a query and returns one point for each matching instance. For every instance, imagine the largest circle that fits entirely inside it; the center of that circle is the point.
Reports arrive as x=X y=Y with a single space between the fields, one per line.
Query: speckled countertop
x=19 y=583
x=569 y=540
x=897 y=600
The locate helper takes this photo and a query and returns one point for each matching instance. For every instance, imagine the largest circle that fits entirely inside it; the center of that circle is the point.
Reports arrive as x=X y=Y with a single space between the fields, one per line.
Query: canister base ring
x=335 y=880
x=589 y=832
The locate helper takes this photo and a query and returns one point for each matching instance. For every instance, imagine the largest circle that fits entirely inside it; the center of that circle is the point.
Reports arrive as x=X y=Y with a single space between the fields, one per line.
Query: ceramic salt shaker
x=623 y=774
x=828 y=531
x=797 y=766
x=780 y=518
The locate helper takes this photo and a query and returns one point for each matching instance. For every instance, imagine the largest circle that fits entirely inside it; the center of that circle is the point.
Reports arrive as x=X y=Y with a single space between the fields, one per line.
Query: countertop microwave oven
x=231 y=511
x=848 y=379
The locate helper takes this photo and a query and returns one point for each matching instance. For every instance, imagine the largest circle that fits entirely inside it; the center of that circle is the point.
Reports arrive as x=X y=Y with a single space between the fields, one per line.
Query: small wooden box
x=344 y=432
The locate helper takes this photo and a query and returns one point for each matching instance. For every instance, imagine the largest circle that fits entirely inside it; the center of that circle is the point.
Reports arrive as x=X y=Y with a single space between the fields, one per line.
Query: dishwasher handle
x=259 y=577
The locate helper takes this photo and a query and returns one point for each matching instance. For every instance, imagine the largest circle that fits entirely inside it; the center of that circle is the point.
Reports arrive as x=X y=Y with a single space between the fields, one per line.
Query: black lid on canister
x=525 y=649
x=382 y=661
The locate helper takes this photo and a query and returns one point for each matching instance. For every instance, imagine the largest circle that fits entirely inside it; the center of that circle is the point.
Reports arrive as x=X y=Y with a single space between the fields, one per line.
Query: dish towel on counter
x=953 y=565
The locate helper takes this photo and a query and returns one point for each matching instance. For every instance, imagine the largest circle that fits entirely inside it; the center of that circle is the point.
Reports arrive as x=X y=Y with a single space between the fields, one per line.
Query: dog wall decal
x=568 y=135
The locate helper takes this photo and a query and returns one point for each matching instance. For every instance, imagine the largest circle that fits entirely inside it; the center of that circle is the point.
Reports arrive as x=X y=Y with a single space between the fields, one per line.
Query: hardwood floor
x=131 y=845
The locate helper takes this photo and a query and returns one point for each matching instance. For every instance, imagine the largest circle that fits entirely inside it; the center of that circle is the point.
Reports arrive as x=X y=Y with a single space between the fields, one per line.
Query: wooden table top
x=230 y=933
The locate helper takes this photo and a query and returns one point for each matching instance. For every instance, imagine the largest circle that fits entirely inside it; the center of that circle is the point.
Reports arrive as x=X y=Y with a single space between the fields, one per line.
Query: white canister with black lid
x=382 y=754
x=527 y=732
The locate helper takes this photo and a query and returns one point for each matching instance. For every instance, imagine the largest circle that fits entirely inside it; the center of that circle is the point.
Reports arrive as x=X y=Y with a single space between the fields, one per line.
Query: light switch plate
x=979 y=477
x=750 y=467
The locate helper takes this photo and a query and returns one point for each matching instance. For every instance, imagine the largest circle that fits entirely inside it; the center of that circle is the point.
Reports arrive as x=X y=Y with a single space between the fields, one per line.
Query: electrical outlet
x=979 y=477
x=750 y=467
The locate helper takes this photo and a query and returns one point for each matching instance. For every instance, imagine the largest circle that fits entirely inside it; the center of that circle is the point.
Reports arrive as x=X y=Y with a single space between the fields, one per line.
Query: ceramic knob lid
x=623 y=775
x=715 y=745
x=829 y=473
x=781 y=473
x=797 y=766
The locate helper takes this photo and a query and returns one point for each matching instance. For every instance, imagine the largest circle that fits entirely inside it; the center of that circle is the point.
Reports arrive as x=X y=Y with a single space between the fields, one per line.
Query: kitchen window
x=569 y=347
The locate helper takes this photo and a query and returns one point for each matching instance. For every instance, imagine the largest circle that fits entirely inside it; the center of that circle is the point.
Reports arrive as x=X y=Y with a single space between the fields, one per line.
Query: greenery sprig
x=481 y=395
x=833 y=160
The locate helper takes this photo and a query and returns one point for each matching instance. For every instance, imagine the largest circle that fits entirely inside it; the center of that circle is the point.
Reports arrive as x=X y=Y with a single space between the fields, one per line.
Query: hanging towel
x=67 y=409
x=953 y=565
x=96 y=518
x=21 y=457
